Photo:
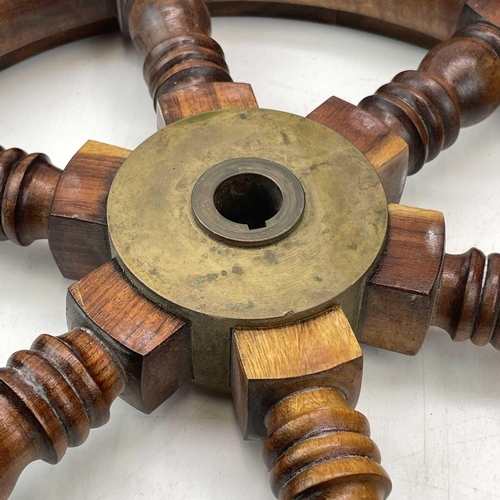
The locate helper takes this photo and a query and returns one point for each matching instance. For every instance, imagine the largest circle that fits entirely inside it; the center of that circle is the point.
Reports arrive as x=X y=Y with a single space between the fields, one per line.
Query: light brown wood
x=78 y=235
x=268 y=364
x=196 y=99
x=296 y=384
x=154 y=346
x=384 y=149
x=399 y=297
x=50 y=398
x=318 y=447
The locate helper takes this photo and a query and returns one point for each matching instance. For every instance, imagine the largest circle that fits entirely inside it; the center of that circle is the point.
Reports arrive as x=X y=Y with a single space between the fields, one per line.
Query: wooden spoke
x=457 y=85
x=417 y=285
x=468 y=299
x=50 y=398
x=296 y=385
x=121 y=344
x=153 y=345
x=184 y=68
x=39 y=201
x=27 y=186
x=78 y=235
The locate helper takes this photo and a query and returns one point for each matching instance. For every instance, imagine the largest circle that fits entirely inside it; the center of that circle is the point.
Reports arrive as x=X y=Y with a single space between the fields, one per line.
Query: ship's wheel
x=248 y=250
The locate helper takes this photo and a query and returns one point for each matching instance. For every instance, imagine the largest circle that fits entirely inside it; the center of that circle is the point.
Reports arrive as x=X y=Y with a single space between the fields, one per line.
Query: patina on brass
x=323 y=261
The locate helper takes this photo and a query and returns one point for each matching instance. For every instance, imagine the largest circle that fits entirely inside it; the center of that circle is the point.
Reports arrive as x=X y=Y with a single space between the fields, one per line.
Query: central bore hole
x=250 y=199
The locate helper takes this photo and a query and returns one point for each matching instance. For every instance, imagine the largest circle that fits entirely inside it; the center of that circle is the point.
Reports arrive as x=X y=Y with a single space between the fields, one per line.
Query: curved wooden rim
x=26 y=30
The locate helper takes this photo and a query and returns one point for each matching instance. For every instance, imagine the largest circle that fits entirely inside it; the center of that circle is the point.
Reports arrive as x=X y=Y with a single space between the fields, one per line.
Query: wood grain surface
x=318 y=447
x=456 y=85
x=200 y=98
x=384 y=149
x=293 y=384
x=78 y=234
x=270 y=363
x=468 y=300
x=28 y=28
x=399 y=297
x=50 y=398
x=154 y=346
x=27 y=187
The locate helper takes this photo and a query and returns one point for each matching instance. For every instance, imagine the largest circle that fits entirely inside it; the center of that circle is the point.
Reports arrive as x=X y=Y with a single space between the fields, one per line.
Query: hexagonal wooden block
x=268 y=364
x=154 y=345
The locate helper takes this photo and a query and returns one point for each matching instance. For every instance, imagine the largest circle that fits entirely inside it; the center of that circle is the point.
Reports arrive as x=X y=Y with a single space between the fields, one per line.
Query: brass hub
x=328 y=197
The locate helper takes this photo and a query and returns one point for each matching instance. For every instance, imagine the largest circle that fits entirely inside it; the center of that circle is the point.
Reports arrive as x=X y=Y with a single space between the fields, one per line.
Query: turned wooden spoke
x=318 y=446
x=457 y=85
x=418 y=285
x=121 y=344
x=184 y=68
x=468 y=298
x=174 y=37
x=154 y=345
x=296 y=385
x=39 y=201
x=27 y=186
x=50 y=398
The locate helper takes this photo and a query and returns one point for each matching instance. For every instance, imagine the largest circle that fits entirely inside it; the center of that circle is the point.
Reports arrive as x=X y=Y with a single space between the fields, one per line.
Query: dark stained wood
x=324 y=12
x=479 y=11
x=384 y=149
x=196 y=99
x=50 y=398
x=432 y=18
x=457 y=85
x=174 y=37
x=153 y=345
x=27 y=185
x=398 y=300
x=291 y=383
x=318 y=447
x=468 y=301
x=29 y=27
x=78 y=234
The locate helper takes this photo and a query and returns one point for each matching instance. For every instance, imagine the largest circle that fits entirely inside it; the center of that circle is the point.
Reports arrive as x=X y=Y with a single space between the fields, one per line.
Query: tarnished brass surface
x=230 y=185
x=322 y=262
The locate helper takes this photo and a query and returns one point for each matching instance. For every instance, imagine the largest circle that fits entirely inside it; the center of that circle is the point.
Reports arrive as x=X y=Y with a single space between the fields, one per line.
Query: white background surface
x=436 y=417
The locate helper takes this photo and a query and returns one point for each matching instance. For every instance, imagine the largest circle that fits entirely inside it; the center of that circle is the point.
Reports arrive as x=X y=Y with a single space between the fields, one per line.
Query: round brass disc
x=322 y=262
